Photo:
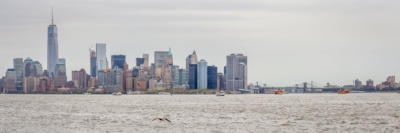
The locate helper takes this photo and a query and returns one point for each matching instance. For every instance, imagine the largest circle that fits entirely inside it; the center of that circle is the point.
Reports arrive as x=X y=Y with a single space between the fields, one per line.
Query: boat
x=279 y=92
x=87 y=93
x=116 y=93
x=221 y=93
x=345 y=91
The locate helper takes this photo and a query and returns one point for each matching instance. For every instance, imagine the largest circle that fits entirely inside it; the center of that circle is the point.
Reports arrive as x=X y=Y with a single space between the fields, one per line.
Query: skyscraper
x=212 y=77
x=10 y=81
x=160 y=58
x=117 y=61
x=101 y=57
x=60 y=73
x=191 y=59
x=93 y=67
x=139 y=61
x=19 y=69
x=146 y=60
x=32 y=68
x=236 y=72
x=52 y=47
x=192 y=76
x=202 y=74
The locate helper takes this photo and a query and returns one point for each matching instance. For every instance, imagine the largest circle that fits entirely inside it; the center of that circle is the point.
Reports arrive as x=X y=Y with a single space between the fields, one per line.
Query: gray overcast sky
x=286 y=41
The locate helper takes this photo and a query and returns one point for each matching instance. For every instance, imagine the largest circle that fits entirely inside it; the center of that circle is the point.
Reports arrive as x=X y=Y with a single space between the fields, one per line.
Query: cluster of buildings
x=28 y=76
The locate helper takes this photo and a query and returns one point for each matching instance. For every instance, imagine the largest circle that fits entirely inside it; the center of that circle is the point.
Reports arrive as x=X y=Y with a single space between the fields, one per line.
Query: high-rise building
x=221 y=81
x=31 y=84
x=146 y=61
x=170 y=60
x=193 y=76
x=357 y=84
x=80 y=78
x=32 y=68
x=60 y=73
x=19 y=69
x=52 y=47
x=202 y=74
x=161 y=58
x=370 y=84
x=191 y=59
x=139 y=61
x=93 y=65
x=181 y=79
x=101 y=57
x=10 y=81
x=236 y=72
x=212 y=77
x=117 y=61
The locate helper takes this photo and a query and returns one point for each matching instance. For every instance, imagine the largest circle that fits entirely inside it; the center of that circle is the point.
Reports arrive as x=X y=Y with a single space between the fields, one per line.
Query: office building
x=117 y=61
x=202 y=74
x=139 y=62
x=52 y=47
x=357 y=84
x=10 y=81
x=236 y=72
x=93 y=63
x=212 y=77
x=191 y=59
x=32 y=68
x=60 y=74
x=193 y=76
x=19 y=69
x=80 y=78
x=101 y=57
x=160 y=58
x=370 y=84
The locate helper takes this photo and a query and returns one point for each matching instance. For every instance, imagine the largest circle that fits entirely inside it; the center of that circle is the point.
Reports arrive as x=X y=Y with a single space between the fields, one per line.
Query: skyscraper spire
x=52 y=20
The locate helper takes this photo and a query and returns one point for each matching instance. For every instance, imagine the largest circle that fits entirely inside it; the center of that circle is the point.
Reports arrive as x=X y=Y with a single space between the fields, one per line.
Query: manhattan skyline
x=281 y=52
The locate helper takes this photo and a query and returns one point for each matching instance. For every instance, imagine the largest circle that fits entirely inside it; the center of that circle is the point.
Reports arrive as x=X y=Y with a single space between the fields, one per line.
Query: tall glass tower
x=202 y=74
x=52 y=47
x=101 y=57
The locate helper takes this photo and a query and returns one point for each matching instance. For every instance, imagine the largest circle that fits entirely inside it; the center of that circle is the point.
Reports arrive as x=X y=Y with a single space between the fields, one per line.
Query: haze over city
x=287 y=42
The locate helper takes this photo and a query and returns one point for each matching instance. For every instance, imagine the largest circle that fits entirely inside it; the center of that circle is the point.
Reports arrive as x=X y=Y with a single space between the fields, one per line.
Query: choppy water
x=371 y=112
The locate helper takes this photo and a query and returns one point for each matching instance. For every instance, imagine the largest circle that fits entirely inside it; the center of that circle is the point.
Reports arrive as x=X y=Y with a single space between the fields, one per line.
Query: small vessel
x=221 y=93
x=345 y=91
x=87 y=93
x=116 y=93
x=279 y=92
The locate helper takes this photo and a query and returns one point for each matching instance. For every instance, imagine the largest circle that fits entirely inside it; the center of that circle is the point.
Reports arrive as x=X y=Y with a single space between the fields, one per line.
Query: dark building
x=212 y=77
x=93 y=67
x=117 y=61
x=192 y=76
x=93 y=62
x=221 y=81
x=139 y=61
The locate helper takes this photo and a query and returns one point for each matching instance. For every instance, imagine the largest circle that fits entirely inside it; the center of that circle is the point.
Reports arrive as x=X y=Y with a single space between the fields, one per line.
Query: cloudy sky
x=286 y=41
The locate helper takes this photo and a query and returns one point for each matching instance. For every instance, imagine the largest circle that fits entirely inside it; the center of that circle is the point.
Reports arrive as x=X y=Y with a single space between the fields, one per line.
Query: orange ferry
x=279 y=92
x=345 y=91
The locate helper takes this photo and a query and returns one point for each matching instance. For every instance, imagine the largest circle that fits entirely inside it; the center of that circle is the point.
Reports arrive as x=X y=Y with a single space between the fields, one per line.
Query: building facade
x=117 y=61
x=202 y=74
x=52 y=48
x=101 y=57
x=192 y=76
x=212 y=77
x=236 y=72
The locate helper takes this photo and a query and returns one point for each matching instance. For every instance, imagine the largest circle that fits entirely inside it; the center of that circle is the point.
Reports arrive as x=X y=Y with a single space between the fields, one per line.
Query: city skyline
x=287 y=66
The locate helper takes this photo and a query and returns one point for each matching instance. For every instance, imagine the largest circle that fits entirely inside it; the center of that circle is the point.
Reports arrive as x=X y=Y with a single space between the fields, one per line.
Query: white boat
x=116 y=93
x=221 y=93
